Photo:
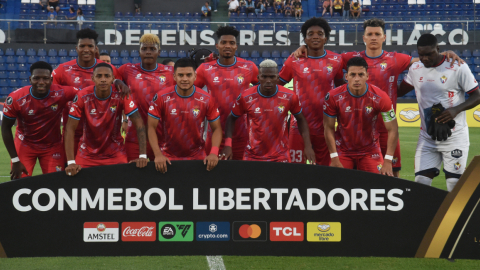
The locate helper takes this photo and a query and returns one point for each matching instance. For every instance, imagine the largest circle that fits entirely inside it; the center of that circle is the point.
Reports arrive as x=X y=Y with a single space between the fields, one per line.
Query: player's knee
x=422 y=179
x=451 y=183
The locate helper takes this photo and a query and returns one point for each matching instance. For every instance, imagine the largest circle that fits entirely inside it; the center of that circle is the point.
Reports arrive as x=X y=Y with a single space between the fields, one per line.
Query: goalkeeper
x=441 y=100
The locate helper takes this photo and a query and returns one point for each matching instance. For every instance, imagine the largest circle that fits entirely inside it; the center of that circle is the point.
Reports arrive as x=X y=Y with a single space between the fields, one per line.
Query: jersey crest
x=162 y=79
x=196 y=111
x=54 y=107
x=383 y=65
x=443 y=79
x=329 y=68
x=281 y=108
x=240 y=79
x=369 y=109
x=113 y=109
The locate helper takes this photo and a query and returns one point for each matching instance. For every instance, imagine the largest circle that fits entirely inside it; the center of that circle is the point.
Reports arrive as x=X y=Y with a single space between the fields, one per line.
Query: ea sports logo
x=476 y=115
x=250 y=231
x=409 y=115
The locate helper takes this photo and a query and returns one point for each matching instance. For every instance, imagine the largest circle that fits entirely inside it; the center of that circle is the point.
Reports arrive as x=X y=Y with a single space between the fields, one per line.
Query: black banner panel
x=239 y=208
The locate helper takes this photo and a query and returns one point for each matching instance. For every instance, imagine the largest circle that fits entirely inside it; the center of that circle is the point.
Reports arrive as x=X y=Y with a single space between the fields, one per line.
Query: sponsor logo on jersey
x=443 y=79
x=329 y=68
x=379 y=167
x=9 y=101
x=327 y=97
x=20 y=137
x=324 y=231
x=58 y=168
x=54 y=107
x=93 y=111
x=369 y=109
x=383 y=66
x=476 y=115
x=175 y=231
x=250 y=231
x=240 y=79
x=77 y=80
x=305 y=70
x=31 y=112
x=57 y=156
x=257 y=110
x=213 y=231
x=100 y=232
x=139 y=231
x=457 y=153
x=215 y=80
x=287 y=231
x=457 y=166
x=162 y=79
x=155 y=98
x=392 y=79
x=375 y=156
x=139 y=76
x=348 y=109
x=196 y=111
x=409 y=115
x=113 y=109
x=281 y=108
x=174 y=112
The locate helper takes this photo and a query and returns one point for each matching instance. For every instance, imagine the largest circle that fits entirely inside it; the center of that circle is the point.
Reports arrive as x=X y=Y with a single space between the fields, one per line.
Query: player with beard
x=226 y=78
x=38 y=109
x=313 y=77
x=78 y=72
x=145 y=79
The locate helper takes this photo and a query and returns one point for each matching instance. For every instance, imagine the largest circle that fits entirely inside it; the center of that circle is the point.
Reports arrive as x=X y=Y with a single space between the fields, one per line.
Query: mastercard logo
x=250 y=231
x=409 y=115
x=476 y=115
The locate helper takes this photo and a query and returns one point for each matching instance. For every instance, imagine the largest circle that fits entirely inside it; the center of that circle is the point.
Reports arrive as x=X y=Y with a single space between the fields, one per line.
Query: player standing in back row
x=440 y=91
x=313 y=77
x=226 y=78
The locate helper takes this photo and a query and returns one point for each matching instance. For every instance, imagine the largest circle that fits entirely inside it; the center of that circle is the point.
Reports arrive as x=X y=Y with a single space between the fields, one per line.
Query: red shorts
x=50 y=159
x=371 y=162
x=296 y=145
x=238 y=146
x=397 y=159
x=199 y=156
x=285 y=159
x=133 y=151
x=87 y=163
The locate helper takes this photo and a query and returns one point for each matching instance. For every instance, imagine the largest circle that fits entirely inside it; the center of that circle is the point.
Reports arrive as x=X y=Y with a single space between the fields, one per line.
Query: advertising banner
x=239 y=208
x=409 y=116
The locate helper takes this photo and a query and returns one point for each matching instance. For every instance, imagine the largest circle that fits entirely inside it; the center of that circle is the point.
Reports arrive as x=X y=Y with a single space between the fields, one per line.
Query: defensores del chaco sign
x=240 y=208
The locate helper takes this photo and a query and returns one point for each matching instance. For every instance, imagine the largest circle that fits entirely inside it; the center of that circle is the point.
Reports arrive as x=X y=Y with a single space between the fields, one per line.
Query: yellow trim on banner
x=409 y=116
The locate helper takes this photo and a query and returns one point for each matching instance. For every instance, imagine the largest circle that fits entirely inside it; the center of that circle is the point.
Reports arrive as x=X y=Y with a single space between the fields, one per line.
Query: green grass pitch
x=408 y=139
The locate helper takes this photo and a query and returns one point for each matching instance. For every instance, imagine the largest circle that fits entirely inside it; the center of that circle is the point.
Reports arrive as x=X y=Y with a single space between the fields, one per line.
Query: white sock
x=451 y=182
x=423 y=180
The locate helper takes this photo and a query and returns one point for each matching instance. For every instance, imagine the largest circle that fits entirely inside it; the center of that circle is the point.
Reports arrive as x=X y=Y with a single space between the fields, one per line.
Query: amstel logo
x=410 y=115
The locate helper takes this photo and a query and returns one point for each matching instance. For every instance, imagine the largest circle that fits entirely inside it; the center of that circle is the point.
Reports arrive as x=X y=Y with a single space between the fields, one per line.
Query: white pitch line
x=215 y=263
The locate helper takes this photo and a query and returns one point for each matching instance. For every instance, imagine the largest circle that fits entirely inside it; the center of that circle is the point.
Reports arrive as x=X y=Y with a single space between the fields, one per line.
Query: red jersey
x=144 y=84
x=225 y=83
x=101 y=137
x=38 y=118
x=267 y=122
x=313 y=77
x=183 y=121
x=383 y=72
x=72 y=74
x=356 y=117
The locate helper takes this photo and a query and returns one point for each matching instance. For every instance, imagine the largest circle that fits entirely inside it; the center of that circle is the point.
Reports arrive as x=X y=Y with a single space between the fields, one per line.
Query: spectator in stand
x=297 y=5
x=206 y=10
x=250 y=6
x=355 y=10
x=215 y=5
x=105 y=57
x=338 y=6
x=52 y=14
x=233 y=6
x=288 y=7
x=260 y=6
x=168 y=62
x=346 y=9
x=44 y=4
x=278 y=6
x=138 y=5
x=53 y=3
x=71 y=15
x=269 y=3
x=327 y=7
x=80 y=15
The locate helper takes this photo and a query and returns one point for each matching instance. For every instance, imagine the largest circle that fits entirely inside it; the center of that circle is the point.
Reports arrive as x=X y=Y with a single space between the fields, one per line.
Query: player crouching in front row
x=267 y=106
x=183 y=109
x=101 y=106
x=356 y=107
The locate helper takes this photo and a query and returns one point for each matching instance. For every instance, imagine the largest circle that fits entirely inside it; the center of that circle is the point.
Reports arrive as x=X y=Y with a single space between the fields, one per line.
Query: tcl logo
x=286 y=231
x=139 y=231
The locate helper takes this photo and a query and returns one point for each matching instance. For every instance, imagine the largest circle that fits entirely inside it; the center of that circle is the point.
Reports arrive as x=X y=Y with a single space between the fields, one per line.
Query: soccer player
x=38 y=109
x=267 y=106
x=145 y=79
x=225 y=79
x=313 y=77
x=384 y=69
x=356 y=107
x=183 y=109
x=78 y=72
x=105 y=57
x=101 y=107
x=435 y=81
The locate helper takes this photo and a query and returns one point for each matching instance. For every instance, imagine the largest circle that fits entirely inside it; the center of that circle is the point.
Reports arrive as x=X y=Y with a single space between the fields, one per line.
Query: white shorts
x=429 y=156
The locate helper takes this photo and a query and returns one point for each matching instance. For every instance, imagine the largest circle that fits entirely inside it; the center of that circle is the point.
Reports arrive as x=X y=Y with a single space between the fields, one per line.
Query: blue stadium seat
x=72 y=53
x=20 y=52
x=62 y=53
x=255 y=54
x=136 y=60
x=3 y=67
x=52 y=52
x=3 y=59
x=53 y=60
x=116 y=61
x=125 y=60
x=63 y=59
x=14 y=83
x=476 y=60
x=266 y=54
x=31 y=59
x=163 y=54
x=124 y=53
x=244 y=54
x=3 y=83
x=275 y=54
x=3 y=75
x=476 y=53
x=4 y=91
x=24 y=82
x=31 y=52
x=134 y=53
x=477 y=69
x=12 y=75
x=11 y=60
x=9 y=51
x=21 y=59
x=414 y=53
x=285 y=54
x=23 y=75
x=114 y=53
x=172 y=54
x=182 y=54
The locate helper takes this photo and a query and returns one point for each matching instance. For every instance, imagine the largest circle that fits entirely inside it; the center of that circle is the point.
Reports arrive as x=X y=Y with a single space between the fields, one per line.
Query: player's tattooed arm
x=212 y=160
x=308 y=152
x=227 y=152
x=392 y=129
x=72 y=169
x=450 y=113
x=142 y=139
x=329 y=131
x=403 y=89
x=160 y=159
x=122 y=88
x=8 y=140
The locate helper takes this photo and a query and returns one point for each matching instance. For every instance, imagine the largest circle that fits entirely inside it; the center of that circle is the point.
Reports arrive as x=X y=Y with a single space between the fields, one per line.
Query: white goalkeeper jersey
x=441 y=84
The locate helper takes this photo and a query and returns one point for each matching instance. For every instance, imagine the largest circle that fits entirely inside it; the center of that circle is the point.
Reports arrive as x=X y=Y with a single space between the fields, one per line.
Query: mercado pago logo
x=280 y=199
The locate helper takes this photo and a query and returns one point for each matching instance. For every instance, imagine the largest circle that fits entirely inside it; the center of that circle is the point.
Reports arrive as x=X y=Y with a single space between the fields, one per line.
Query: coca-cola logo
x=139 y=231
